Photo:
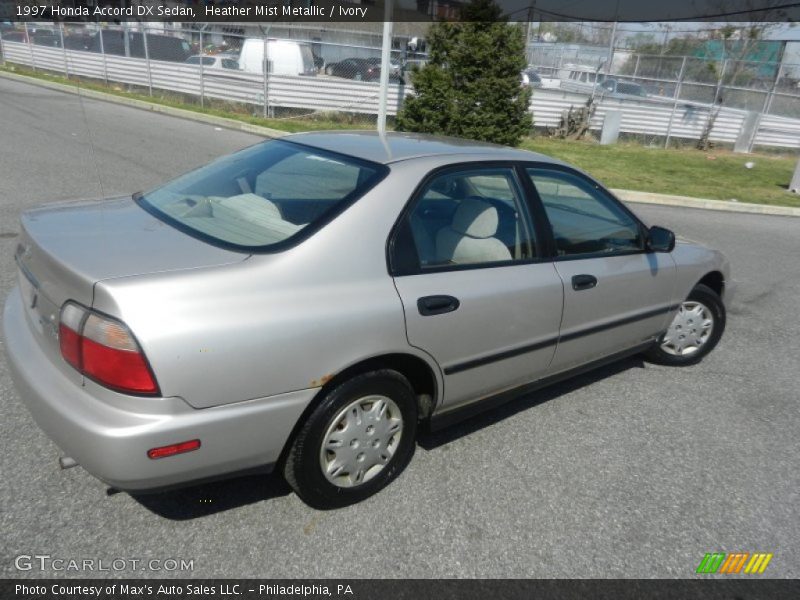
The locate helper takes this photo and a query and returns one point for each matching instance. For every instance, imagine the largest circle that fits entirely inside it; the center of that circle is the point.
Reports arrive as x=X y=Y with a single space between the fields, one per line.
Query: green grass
x=717 y=175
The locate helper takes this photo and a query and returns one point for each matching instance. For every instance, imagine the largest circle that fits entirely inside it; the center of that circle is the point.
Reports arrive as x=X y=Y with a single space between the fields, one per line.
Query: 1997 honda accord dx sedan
x=305 y=303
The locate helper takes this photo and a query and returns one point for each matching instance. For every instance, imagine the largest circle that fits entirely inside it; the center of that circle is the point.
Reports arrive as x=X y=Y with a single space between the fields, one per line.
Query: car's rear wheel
x=355 y=442
x=694 y=331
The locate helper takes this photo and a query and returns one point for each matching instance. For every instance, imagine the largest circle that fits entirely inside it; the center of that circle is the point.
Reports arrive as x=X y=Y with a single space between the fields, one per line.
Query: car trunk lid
x=65 y=248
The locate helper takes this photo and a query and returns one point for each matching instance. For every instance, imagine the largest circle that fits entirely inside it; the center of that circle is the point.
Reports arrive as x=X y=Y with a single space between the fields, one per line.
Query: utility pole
x=667 y=30
x=386 y=55
x=611 y=46
x=611 y=41
x=529 y=31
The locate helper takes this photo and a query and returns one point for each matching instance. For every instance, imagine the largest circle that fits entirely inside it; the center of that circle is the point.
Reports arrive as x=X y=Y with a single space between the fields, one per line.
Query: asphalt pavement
x=634 y=470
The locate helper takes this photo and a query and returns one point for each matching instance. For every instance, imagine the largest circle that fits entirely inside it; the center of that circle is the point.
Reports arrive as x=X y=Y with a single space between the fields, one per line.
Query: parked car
x=79 y=41
x=530 y=78
x=362 y=69
x=39 y=38
x=15 y=36
x=285 y=57
x=214 y=61
x=615 y=88
x=159 y=46
x=38 y=29
x=304 y=303
x=44 y=38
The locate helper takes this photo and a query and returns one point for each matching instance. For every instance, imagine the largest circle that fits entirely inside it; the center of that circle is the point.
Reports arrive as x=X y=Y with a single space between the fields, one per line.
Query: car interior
x=253 y=206
x=457 y=222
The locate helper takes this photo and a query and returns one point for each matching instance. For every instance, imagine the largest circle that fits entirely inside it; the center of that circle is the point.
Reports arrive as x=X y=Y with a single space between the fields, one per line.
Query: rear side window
x=471 y=217
x=264 y=196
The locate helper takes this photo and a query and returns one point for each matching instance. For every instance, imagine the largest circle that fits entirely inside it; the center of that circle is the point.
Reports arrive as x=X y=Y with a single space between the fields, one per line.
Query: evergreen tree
x=470 y=87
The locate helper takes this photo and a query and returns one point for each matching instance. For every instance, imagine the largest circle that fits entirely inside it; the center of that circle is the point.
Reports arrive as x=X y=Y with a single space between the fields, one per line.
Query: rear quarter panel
x=273 y=323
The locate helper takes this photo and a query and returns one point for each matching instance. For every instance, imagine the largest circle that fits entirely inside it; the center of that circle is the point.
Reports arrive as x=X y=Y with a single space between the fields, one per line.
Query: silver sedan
x=304 y=304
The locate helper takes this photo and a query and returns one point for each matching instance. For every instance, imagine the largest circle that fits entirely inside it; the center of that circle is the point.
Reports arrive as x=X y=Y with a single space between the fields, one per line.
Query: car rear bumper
x=111 y=440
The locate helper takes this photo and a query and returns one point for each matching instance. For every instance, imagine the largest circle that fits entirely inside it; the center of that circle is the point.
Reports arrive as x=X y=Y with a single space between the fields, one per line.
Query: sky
x=782 y=31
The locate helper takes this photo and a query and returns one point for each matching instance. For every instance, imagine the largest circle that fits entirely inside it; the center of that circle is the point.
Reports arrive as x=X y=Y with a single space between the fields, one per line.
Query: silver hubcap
x=361 y=441
x=690 y=329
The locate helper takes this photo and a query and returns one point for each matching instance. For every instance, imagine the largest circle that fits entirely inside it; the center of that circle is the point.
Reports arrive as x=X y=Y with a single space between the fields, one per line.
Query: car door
x=616 y=295
x=478 y=294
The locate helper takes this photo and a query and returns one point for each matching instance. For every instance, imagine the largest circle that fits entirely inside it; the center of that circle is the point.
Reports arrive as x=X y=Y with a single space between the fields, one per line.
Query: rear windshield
x=263 y=198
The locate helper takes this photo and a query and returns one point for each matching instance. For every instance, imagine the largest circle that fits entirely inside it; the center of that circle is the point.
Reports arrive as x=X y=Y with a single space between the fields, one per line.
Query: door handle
x=583 y=282
x=437 y=305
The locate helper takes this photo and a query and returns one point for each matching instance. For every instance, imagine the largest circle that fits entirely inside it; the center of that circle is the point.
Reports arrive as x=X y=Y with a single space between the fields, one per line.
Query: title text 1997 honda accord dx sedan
x=305 y=303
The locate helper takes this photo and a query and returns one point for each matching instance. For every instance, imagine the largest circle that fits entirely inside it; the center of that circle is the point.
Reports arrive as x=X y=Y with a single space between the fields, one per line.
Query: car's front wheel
x=694 y=332
x=356 y=441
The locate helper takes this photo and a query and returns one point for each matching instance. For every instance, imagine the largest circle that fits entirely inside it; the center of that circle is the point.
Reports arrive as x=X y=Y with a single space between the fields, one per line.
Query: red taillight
x=118 y=369
x=70 y=343
x=173 y=449
x=104 y=350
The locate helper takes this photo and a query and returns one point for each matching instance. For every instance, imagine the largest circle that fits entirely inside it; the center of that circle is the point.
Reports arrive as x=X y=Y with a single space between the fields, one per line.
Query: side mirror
x=660 y=239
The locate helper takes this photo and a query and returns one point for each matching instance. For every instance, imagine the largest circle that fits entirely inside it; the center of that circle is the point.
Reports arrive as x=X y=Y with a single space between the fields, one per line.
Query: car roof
x=395 y=146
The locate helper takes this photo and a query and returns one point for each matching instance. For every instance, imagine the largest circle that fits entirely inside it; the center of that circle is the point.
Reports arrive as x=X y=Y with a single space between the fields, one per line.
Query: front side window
x=263 y=195
x=584 y=219
x=471 y=217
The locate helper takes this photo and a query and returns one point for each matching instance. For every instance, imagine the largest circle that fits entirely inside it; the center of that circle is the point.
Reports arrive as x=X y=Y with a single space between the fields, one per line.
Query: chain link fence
x=278 y=73
x=696 y=88
x=330 y=78
x=747 y=85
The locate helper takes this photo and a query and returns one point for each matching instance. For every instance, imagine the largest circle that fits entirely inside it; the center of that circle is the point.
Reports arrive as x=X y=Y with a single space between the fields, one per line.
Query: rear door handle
x=437 y=305
x=583 y=282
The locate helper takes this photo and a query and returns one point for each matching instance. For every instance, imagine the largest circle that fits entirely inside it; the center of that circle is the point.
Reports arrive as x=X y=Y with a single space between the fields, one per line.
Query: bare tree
x=740 y=43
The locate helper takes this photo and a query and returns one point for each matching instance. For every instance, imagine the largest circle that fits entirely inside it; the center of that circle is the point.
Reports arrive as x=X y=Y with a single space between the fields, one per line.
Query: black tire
x=710 y=299
x=303 y=469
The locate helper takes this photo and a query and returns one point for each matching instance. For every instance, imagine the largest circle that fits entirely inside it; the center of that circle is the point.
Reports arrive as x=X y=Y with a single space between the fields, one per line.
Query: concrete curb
x=688 y=202
x=150 y=106
x=626 y=195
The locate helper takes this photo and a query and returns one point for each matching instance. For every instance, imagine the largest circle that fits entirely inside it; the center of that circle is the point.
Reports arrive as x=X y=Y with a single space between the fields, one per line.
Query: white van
x=286 y=57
